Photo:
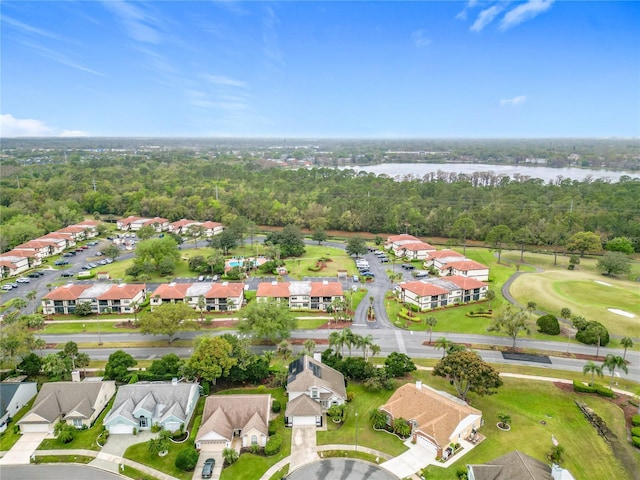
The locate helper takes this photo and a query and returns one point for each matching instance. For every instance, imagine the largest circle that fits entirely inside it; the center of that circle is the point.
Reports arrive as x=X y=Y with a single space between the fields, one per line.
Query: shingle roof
x=446 y=253
x=514 y=465
x=418 y=246
x=466 y=283
x=424 y=289
x=273 y=290
x=401 y=237
x=326 y=289
x=224 y=413
x=66 y=292
x=303 y=406
x=465 y=265
x=225 y=290
x=171 y=291
x=306 y=372
x=436 y=414
x=121 y=291
x=7 y=391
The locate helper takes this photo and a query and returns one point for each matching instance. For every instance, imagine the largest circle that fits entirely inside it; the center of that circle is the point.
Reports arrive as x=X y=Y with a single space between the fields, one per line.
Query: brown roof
x=211 y=224
x=121 y=291
x=224 y=413
x=465 y=265
x=273 y=290
x=16 y=252
x=402 y=236
x=72 y=229
x=418 y=246
x=326 y=289
x=512 y=466
x=38 y=243
x=436 y=414
x=66 y=292
x=423 y=289
x=87 y=223
x=130 y=219
x=303 y=406
x=171 y=291
x=445 y=253
x=225 y=290
x=184 y=222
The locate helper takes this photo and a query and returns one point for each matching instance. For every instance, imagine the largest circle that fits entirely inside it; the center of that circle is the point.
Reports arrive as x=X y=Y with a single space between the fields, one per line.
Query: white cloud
x=28 y=127
x=222 y=80
x=485 y=17
x=420 y=39
x=513 y=102
x=523 y=12
x=73 y=133
x=139 y=24
x=28 y=29
x=23 y=127
x=463 y=14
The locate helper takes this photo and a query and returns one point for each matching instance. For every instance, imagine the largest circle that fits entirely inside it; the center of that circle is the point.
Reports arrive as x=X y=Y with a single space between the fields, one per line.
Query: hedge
x=581 y=387
x=635 y=441
x=635 y=431
x=273 y=445
x=635 y=420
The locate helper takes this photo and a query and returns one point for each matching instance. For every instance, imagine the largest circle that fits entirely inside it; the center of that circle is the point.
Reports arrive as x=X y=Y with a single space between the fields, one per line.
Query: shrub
x=591 y=332
x=635 y=420
x=206 y=388
x=548 y=324
x=373 y=385
x=635 y=431
x=187 y=459
x=349 y=396
x=578 y=386
x=273 y=445
x=604 y=391
x=276 y=406
x=635 y=441
x=272 y=428
x=230 y=456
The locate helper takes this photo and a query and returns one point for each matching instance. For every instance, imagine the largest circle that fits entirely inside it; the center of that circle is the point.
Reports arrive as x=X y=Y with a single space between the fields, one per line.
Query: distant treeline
x=35 y=199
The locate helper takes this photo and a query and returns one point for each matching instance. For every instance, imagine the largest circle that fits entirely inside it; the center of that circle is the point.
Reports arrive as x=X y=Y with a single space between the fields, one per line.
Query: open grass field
x=585 y=291
x=587 y=455
x=339 y=260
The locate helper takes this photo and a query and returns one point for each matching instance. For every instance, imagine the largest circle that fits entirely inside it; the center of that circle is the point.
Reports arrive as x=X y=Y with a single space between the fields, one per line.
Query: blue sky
x=540 y=68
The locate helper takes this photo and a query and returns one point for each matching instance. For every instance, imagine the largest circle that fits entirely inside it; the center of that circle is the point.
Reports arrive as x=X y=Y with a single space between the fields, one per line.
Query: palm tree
x=455 y=347
x=555 y=454
x=351 y=339
x=19 y=304
x=430 y=322
x=370 y=314
x=531 y=307
x=626 y=342
x=230 y=456
x=284 y=349
x=31 y=295
x=611 y=362
x=442 y=343
x=201 y=306
x=336 y=341
x=505 y=420
x=592 y=368
x=375 y=349
x=565 y=313
x=378 y=419
x=309 y=347
x=366 y=342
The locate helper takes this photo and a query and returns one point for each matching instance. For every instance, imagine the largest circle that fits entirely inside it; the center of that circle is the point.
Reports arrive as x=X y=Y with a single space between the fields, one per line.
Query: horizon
x=532 y=69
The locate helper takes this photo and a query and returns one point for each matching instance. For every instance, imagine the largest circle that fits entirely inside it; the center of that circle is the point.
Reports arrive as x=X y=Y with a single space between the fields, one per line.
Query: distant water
x=545 y=173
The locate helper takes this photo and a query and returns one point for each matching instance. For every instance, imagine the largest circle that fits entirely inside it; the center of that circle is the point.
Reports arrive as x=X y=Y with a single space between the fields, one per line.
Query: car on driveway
x=207 y=469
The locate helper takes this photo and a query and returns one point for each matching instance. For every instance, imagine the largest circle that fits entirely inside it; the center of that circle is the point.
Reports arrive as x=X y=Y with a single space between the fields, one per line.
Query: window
x=254 y=439
x=77 y=423
x=143 y=422
x=315 y=393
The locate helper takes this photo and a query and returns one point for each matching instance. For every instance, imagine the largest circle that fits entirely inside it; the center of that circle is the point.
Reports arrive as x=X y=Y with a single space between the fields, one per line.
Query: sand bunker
x=603 y=283
x=621 y=312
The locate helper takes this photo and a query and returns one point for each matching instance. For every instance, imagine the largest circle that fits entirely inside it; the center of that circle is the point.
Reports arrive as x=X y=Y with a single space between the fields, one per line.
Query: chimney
x=317 y=356
x=418 y=384
x=75 y=376
x=556 y=471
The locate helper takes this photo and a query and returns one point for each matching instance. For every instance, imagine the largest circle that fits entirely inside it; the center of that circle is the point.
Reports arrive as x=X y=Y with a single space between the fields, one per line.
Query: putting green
x=585 y=294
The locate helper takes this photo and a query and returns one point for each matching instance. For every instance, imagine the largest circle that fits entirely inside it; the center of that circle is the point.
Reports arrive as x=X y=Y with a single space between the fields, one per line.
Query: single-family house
x=229 y=417
x=14 y=394
x=435 y=292
x=144 y=404
x=323 y=385
x=517 y=465
x=436 y=418
x=75 y=403
x=301 y=294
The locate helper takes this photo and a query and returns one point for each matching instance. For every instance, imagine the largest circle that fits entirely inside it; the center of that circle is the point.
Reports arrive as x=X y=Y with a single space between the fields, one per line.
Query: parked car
x=7 y=287
x=23 y=280
x=93 y=265
x=35 y=274
x=207 y=469
x=92 y=243
x=14 y=284
x=66 y=274
x=356 y=278
x=60 y=262
x=367 y=274
x=68 y=254
x=408 y=266
x=421 y=274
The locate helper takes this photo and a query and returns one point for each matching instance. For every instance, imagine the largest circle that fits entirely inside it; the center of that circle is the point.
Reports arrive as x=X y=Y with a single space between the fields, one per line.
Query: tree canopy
x=211 y=359
x=267 y=320
x=117 y=368
x=614 y=263
x=168 y=319
x=468 y=373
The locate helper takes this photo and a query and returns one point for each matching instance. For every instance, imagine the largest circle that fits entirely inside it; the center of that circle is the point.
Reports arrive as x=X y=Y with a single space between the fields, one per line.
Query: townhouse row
x=181 y=227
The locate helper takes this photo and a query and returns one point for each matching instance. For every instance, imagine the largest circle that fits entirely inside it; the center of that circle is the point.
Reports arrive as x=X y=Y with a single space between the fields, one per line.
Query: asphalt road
x=54 y=472
x=340 y=468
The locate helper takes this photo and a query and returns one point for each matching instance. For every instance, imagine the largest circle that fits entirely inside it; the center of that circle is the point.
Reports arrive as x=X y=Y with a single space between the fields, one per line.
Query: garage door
x=35 y=428
x=423 y=442
x=304 y=421
x=120 y=429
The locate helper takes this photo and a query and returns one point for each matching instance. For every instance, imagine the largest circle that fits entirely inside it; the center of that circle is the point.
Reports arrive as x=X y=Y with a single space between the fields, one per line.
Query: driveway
x=20 y=453
x=214 y=452
x=110 y=457
x=410 y=462
x=303 y=446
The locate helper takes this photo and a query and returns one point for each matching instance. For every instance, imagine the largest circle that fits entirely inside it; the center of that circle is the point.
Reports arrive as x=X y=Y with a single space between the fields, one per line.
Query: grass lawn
x=580 y=291
x=140 y=453
x=84 y=439
x=363 y=402
x=63 y=459
x=339 y=260
x=528 y=403
x=9 y=437
x=250 y=466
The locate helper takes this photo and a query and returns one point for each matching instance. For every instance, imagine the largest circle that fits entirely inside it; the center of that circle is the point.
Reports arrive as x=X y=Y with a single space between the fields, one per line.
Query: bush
x=187 y=459
x=273 y=445
x=373 y=385
x=635 y=432
x=635 y=420
x=272 y=428
x=349 y=396
x=635 y=441
x=591 y=332
x=276 y=406
x=548 y=324
x=604 y=391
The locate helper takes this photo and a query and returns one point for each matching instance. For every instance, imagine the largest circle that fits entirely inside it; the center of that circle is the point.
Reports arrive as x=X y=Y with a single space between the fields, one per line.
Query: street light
x=356 y=431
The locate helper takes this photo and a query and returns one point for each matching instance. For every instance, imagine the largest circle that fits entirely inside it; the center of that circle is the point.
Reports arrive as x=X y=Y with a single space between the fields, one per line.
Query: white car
x=7 y=287
x=23 y=280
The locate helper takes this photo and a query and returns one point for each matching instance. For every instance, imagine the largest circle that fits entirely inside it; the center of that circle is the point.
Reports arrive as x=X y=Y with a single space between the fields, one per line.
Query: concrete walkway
x=20 y=453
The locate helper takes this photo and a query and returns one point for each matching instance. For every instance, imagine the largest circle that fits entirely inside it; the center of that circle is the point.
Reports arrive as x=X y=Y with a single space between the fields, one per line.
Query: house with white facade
x=14 y=394
x=133 y=223
x=12 y=263
x=229 y=417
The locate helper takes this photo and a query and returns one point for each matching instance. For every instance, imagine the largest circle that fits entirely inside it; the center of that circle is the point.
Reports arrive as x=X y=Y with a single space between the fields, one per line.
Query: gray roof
x=225 y=413
x=7 y=391
x=303 y=406
x=160 y=399
x=305 y=372
x=514 y=465
x=57 y=398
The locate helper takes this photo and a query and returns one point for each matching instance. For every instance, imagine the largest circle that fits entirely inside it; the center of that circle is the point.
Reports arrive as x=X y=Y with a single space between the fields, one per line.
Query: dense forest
x=38 y=198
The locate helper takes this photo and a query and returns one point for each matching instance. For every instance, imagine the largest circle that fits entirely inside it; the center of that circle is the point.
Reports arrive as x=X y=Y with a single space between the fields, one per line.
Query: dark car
x=61 y=262
x=207 y=469
x=66 y=274
x=68 y=254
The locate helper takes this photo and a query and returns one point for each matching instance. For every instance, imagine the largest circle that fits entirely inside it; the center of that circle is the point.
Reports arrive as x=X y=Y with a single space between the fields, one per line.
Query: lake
x=545 y=173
